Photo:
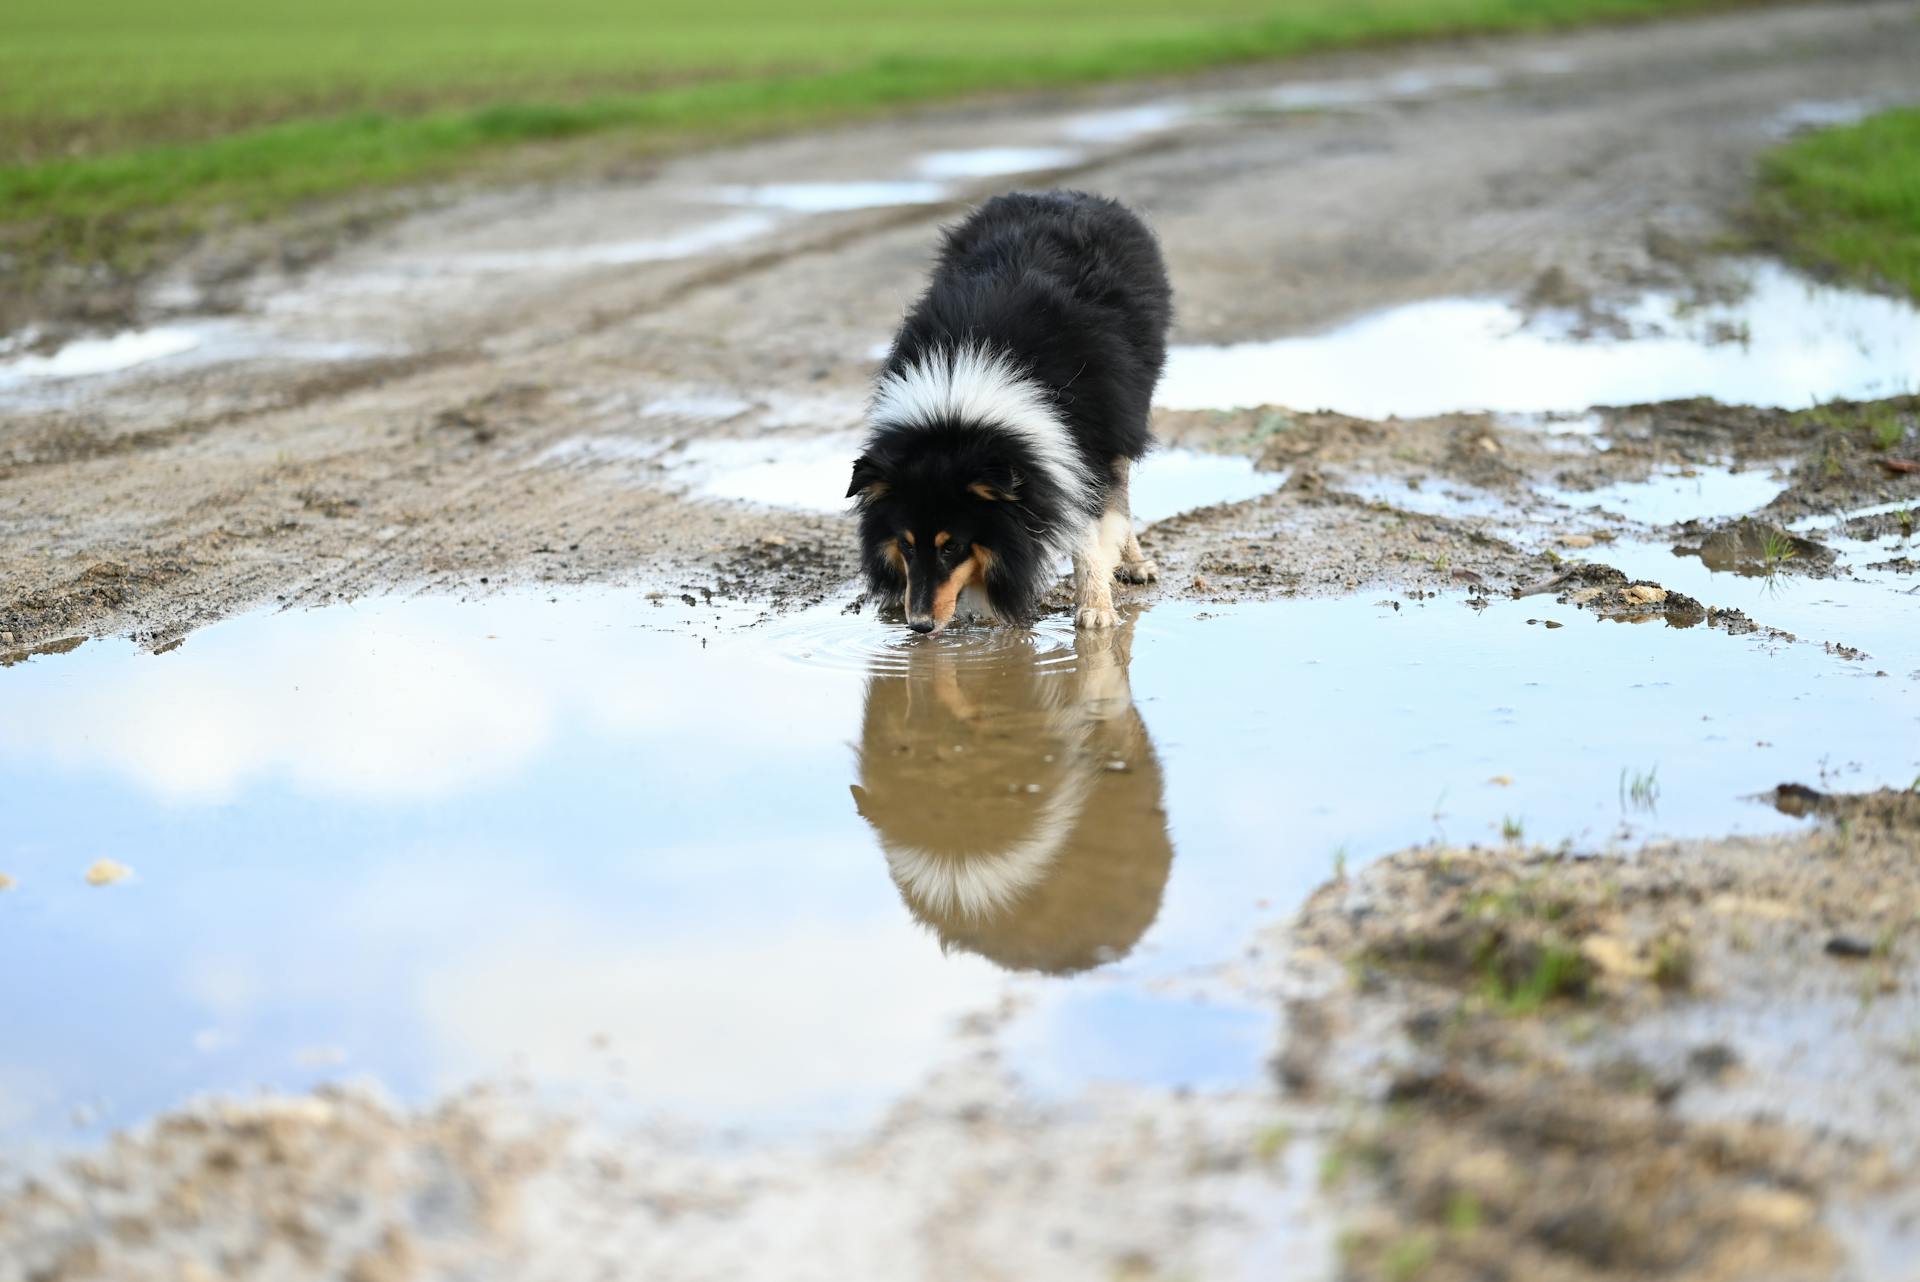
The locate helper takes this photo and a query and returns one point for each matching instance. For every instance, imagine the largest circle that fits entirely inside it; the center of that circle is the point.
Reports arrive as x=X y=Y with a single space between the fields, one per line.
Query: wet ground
x=435 y=679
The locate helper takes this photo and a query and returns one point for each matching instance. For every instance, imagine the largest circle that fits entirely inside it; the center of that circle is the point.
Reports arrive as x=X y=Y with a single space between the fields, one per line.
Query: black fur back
x=1073 y=288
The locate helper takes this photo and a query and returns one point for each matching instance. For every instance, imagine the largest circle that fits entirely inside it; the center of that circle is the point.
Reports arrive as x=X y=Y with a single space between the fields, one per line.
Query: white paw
x=1141 y=571
x=1096 y=616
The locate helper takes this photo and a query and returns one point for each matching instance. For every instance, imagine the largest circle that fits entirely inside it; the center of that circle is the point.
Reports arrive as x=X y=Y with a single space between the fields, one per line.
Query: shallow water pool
x=750 y=872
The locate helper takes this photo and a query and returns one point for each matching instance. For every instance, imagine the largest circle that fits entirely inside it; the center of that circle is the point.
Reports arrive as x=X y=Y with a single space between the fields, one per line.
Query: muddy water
x=751 y=872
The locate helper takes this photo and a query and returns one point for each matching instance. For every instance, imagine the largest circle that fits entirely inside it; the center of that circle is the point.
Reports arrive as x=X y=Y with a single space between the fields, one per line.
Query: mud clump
x=1886 y=809
x=1612 y=595
x=1754 y=548
x=1531 y=1123
x=312 y=1186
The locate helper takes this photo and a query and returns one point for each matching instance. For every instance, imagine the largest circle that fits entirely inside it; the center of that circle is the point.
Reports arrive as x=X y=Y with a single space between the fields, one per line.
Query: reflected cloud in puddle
x=1790 y=342
x=752 y=872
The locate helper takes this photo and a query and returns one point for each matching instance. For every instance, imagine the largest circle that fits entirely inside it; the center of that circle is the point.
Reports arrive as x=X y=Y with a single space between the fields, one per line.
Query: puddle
x=87 y=356
x=832 y=197
x=1671 y=495
x=992 y=162
x=1413 y=83
x=673 y=860
x=1668 y=496
x=721 y=233
x=1124 y=124
x=1819 y=114
x=174 y=346
x=810 y=473
x=1790 y=343
x=1869 y=610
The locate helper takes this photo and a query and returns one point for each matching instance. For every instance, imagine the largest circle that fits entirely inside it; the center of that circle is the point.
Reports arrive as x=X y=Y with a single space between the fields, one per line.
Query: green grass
x=1848 y=199
x=121 y=119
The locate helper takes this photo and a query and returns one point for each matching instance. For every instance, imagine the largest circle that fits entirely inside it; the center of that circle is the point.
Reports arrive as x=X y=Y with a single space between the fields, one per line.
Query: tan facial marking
x=941 y=539
x=898 y=558
x=981 y=490
x=909 y=538
x=947 y=596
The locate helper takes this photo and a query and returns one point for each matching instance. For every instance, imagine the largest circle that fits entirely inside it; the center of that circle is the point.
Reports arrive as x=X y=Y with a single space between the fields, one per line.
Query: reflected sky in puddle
x=752 y=873
x=832 y=197
x=1668 y=495
x=992 y=162
x=1789 y=343
x=1679 y=494
x=177 y=346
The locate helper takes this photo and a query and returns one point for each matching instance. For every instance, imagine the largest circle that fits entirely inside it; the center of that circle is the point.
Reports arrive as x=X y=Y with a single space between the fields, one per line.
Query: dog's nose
x=921 y=625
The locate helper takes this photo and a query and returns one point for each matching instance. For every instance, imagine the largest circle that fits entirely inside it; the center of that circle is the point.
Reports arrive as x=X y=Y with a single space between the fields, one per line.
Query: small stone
x=6 y=638
x=1200 y=583
x=1643 y=594
x=1503 y=781
x=1851 y=947
x=775 y=540
x=1585 y=595
x=1576 y=540
x=107 y=871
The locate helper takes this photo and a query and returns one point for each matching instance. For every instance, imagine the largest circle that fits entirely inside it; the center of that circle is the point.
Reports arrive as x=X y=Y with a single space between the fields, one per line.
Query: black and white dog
x=1010 y=411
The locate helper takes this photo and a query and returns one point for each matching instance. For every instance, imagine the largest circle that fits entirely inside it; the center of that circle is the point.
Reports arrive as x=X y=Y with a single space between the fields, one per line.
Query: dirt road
x=1685 y=1061
x=411 y=409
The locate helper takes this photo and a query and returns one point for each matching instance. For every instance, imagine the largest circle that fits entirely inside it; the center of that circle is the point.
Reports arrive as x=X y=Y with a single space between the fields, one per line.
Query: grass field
x=122 y=120
x=1849 y=199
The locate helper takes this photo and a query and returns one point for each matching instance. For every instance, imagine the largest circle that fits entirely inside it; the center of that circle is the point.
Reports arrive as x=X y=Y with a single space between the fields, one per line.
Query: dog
x=1061 y=876
x=1011 y=408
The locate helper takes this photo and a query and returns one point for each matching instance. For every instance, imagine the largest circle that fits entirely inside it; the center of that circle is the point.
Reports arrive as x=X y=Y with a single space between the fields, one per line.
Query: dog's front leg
x=1093 y=564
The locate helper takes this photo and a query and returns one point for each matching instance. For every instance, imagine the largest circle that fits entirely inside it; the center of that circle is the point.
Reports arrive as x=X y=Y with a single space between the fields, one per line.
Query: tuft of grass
x=1271 y=1141
x=1848 y=199
x=1560 y=971
x=1776 y=551
x=1673 y=964
x=1464 y=1213
x=1407 y=1258
x=127 y=124
x=1512 y=828
x=1638 y=790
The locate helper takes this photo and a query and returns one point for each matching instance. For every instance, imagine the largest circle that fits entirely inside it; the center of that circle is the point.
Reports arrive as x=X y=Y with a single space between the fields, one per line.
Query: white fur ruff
x=975 y=384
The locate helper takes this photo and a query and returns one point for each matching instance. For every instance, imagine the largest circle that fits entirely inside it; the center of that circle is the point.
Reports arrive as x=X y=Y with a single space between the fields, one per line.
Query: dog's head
x=948 y=517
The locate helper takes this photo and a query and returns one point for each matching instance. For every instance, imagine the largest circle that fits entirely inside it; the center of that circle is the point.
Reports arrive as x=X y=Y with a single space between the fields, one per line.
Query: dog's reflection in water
x=1017 y=799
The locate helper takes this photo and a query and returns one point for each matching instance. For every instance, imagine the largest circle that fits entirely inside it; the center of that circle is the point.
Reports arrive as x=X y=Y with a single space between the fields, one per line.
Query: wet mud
x=1684 y=1064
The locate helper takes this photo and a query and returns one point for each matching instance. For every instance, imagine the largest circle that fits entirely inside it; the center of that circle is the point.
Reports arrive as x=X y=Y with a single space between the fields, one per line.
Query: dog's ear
x=999 y=483
x=867 y=479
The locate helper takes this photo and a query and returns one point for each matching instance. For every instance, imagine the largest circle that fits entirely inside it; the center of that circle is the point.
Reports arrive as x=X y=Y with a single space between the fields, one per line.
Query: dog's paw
x=1095 y=617
x=1142 y=571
